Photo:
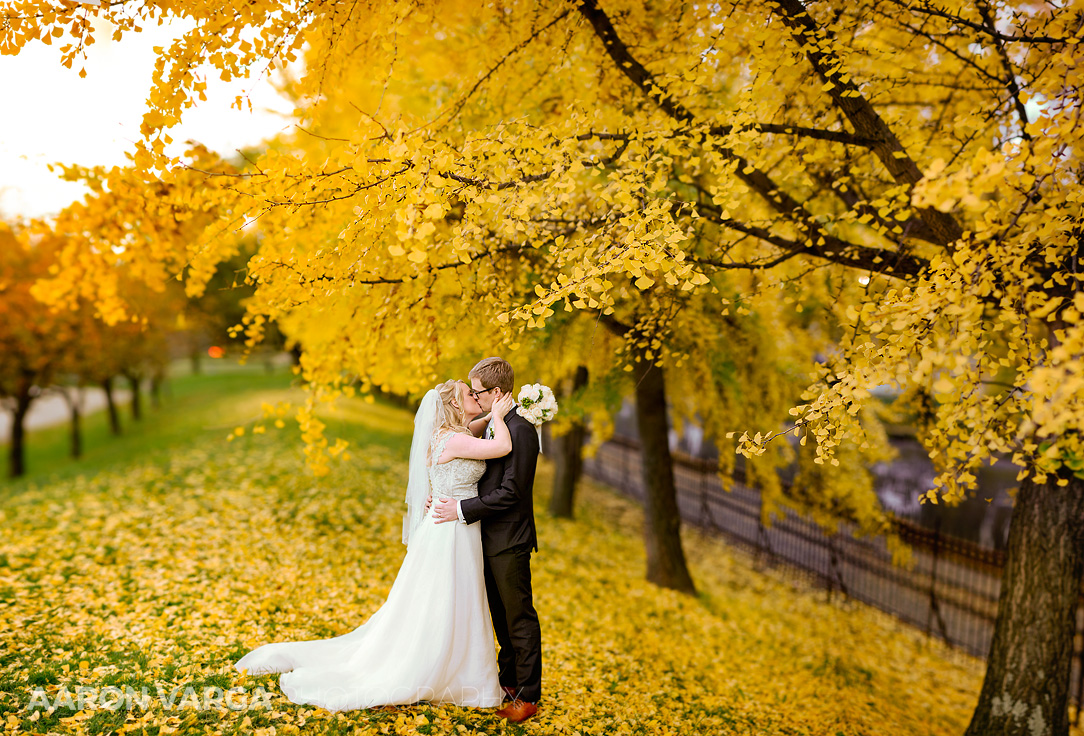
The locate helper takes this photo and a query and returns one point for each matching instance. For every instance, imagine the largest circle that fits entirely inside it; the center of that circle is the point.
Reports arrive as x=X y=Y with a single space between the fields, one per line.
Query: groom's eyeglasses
x=476 y=394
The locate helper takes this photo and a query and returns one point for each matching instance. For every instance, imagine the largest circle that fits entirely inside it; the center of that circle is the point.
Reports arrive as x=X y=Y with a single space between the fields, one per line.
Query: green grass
x=193 y=406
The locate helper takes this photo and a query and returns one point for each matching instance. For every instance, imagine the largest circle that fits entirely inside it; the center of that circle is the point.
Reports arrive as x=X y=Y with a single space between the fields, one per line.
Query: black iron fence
x=950 y=591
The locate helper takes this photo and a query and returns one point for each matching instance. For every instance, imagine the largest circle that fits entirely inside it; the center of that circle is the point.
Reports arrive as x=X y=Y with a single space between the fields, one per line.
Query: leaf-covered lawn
x=162 y=574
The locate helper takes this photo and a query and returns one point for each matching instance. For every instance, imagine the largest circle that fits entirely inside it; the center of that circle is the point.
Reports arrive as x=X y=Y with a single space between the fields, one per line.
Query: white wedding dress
x=432 y=640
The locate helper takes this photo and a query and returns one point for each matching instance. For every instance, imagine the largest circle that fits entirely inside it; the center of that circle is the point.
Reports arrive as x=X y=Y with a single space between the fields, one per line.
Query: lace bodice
x=457 y=478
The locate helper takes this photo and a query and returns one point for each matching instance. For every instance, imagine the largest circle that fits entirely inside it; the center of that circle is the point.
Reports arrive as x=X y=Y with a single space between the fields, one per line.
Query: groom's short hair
x=494 y=373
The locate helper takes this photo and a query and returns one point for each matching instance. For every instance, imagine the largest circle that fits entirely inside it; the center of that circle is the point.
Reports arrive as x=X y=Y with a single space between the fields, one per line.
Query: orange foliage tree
x=34 y=340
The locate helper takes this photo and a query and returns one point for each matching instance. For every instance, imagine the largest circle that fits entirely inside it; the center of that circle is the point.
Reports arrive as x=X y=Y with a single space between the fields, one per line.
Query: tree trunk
x=568 y=458
x=662 y=528
x=111 y=406
x=137 y=399
x=76 y=426
x=196 y=356
x=156 y=390
x=17 y=451
x=1026 y=690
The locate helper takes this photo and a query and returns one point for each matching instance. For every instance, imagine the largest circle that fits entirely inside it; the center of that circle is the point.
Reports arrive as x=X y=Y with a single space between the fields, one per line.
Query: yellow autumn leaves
x=164 y=573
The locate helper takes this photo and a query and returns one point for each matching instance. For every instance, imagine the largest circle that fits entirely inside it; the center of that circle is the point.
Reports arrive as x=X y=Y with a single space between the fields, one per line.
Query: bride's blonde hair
x=450 y=414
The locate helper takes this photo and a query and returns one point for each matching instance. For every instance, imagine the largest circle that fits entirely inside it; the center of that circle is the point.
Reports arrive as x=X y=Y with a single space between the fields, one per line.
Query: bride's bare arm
x=468 y=446
x=479 y=425
x=475 y=448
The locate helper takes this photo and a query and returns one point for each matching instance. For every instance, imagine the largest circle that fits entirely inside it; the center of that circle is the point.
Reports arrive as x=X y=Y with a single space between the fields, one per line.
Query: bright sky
x=51 y=115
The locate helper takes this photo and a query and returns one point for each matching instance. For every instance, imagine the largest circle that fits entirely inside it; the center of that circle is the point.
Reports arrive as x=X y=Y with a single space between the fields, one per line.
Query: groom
x=505 y=507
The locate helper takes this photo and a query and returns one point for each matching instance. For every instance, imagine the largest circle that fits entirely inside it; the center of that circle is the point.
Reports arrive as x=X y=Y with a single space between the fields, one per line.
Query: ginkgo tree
x=915 y=164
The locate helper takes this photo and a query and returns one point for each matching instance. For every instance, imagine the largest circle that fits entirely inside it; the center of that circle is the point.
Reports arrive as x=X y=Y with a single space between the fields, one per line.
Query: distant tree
x=139 y=345
x=568 y=459
x=34 y=340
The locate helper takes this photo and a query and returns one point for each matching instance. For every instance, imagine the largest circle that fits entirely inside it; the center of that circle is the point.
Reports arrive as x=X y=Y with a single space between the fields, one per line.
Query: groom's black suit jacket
x=505 y=492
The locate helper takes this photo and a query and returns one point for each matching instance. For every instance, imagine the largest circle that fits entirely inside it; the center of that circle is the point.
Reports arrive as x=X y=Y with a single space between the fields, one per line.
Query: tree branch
x=628 y=65
x=458 y=105
x=614 y=325
x=989 y=30
x=889 y=263
x=819 y=244
x=851 y=199
x=835 y=136
x=850 y=100
x=736 y=265
x=1010 y=75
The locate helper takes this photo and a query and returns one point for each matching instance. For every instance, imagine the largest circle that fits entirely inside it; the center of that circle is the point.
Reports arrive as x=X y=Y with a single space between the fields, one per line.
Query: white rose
x=537 y=403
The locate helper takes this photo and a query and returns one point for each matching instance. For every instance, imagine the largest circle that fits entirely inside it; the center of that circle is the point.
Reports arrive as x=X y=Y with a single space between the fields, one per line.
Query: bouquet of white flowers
x=536 y=404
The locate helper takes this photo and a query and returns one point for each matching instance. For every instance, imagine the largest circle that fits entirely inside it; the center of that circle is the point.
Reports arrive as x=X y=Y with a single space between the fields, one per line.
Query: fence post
x=707 y=519
x=935 y=605
x=625 y=453
x=831 y=563
x=836 y=571
x=760 y=529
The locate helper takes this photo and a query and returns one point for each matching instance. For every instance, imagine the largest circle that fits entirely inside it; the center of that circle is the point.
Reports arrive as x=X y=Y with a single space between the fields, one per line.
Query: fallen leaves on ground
x=163 y=574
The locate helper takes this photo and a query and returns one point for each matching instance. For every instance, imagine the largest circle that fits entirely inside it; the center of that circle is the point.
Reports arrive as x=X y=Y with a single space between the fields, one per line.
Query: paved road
x=51 y=409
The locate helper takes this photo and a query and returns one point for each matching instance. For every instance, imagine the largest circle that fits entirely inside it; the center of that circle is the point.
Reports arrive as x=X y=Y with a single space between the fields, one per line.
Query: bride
x=432 y=639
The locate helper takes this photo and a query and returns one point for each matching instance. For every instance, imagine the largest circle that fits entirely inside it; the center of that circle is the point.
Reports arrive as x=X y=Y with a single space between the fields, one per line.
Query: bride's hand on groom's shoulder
x=503 y=405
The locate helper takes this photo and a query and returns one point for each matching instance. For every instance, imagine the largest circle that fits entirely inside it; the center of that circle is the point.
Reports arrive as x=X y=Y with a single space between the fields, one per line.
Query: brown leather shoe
x=509 y=692
x=518 y=711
